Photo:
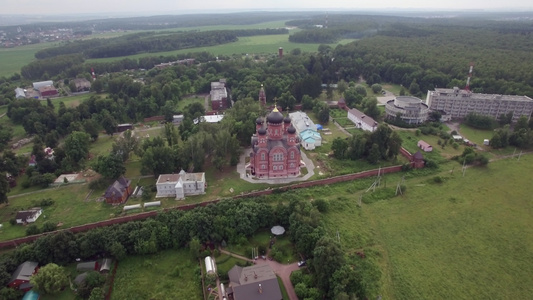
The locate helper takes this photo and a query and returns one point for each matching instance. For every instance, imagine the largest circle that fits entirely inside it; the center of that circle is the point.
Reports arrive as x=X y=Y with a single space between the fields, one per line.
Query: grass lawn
x=261 y=240
x=170 y=274
x=468 y=238
x=72 y=101
x=225 y=263
x=393 y=88
x=410 y=142
x=283 y=289
x=190 y=100
x=70 y=208
x=475 y=135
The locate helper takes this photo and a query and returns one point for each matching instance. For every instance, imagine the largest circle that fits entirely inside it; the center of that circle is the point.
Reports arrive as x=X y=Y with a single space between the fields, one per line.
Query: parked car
x=301 y=263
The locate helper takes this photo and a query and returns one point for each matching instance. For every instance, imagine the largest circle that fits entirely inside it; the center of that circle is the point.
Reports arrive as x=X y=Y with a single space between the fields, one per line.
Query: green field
x=261 y=44
x=12 y=59
x=468 y=238
x=170 y=274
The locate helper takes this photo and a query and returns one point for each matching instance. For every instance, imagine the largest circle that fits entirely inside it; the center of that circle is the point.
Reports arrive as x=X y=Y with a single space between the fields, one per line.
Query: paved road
x=283 y=271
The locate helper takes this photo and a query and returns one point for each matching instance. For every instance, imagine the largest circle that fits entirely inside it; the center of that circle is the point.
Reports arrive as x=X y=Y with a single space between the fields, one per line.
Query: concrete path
x=283 y=271
x=241 y=168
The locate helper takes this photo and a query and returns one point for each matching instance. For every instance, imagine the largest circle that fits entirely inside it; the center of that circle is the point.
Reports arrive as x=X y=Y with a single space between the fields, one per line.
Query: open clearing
x=170 y=274
x=467 y=238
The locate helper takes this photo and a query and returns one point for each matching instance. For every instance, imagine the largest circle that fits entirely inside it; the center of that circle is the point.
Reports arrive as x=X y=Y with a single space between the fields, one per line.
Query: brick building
x=275 y=148
x=219 y=95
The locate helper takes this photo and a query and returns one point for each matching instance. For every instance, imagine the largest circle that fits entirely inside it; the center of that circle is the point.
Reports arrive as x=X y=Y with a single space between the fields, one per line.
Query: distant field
x=245 y=45
x=12 y=59
x=170 y=274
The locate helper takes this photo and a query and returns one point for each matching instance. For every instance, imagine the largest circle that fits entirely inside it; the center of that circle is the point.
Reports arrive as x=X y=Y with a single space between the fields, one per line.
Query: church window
x=263 y=167
x=275 y=168
x=292 y=154
x=263 y=156
x=281 y=167
x=292 y=165
x=276 y=132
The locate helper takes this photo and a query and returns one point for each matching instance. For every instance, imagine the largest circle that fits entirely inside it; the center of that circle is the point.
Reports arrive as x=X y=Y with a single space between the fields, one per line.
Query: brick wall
x=145 y=215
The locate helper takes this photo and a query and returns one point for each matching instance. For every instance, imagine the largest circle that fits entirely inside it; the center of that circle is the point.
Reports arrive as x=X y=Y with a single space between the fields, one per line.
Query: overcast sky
x=143 y=7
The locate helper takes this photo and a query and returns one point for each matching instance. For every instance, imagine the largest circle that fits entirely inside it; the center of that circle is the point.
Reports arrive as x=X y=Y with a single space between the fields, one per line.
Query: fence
x=145 y=215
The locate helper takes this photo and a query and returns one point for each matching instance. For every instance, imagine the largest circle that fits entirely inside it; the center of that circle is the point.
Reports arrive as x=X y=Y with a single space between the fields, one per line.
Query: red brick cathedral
x=275 y=148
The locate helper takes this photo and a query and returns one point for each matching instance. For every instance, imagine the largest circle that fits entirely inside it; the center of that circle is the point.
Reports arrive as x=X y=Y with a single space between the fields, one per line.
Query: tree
x=4 y=188
x=339 y=147
x=111 y=166
x=7 y=293
x=97 y=294
x=328 y=258
x=361 y=90
x=77 y=147
x=50 y=279
x=376 y=88
x=125 y=145
x=195 y=247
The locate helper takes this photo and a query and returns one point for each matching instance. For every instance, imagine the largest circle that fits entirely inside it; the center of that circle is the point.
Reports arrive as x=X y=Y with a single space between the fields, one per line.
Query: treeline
x=151 y=42
x=46 y=68
x=333 y=273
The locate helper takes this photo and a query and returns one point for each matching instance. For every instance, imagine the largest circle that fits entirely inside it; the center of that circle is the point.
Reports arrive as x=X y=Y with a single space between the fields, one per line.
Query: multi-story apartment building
x=458 y=103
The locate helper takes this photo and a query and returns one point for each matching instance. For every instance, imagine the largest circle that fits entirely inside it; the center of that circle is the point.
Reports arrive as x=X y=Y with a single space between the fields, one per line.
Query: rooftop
x=480 y=96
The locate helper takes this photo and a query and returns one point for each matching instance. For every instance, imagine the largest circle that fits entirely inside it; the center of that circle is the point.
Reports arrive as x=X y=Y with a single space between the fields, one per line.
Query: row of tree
x=382 y=144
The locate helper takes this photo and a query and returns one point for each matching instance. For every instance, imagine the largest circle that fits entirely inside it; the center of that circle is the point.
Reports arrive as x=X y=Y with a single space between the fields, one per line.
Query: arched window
x=263 y=167
x=292 y=154
x=281 y=167
x=263 y=156
x=275 y=168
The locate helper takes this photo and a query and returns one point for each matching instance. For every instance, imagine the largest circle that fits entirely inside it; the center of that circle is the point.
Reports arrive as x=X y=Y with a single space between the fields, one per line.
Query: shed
x=425 y=146
x=80 y=278
x=209 y=265
x=87 y=266
x=106 y=265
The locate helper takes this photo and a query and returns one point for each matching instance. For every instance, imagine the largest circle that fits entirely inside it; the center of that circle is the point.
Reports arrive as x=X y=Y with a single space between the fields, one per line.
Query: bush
x=431 y=164
x=32 y=229
x=49 y=226
x=99 y=184
x=321 y=205
x=438 y=179
x=13 y=221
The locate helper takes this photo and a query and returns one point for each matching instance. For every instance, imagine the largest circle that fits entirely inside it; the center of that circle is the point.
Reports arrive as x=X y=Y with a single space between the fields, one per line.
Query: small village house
x=28 y=216
x=20 y=279
x=256 y=282
x=119 y=191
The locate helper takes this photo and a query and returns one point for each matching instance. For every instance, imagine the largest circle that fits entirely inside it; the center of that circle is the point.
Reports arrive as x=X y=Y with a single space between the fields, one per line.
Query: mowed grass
x=261 y=44
x=170 y=274
x=468 y=238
